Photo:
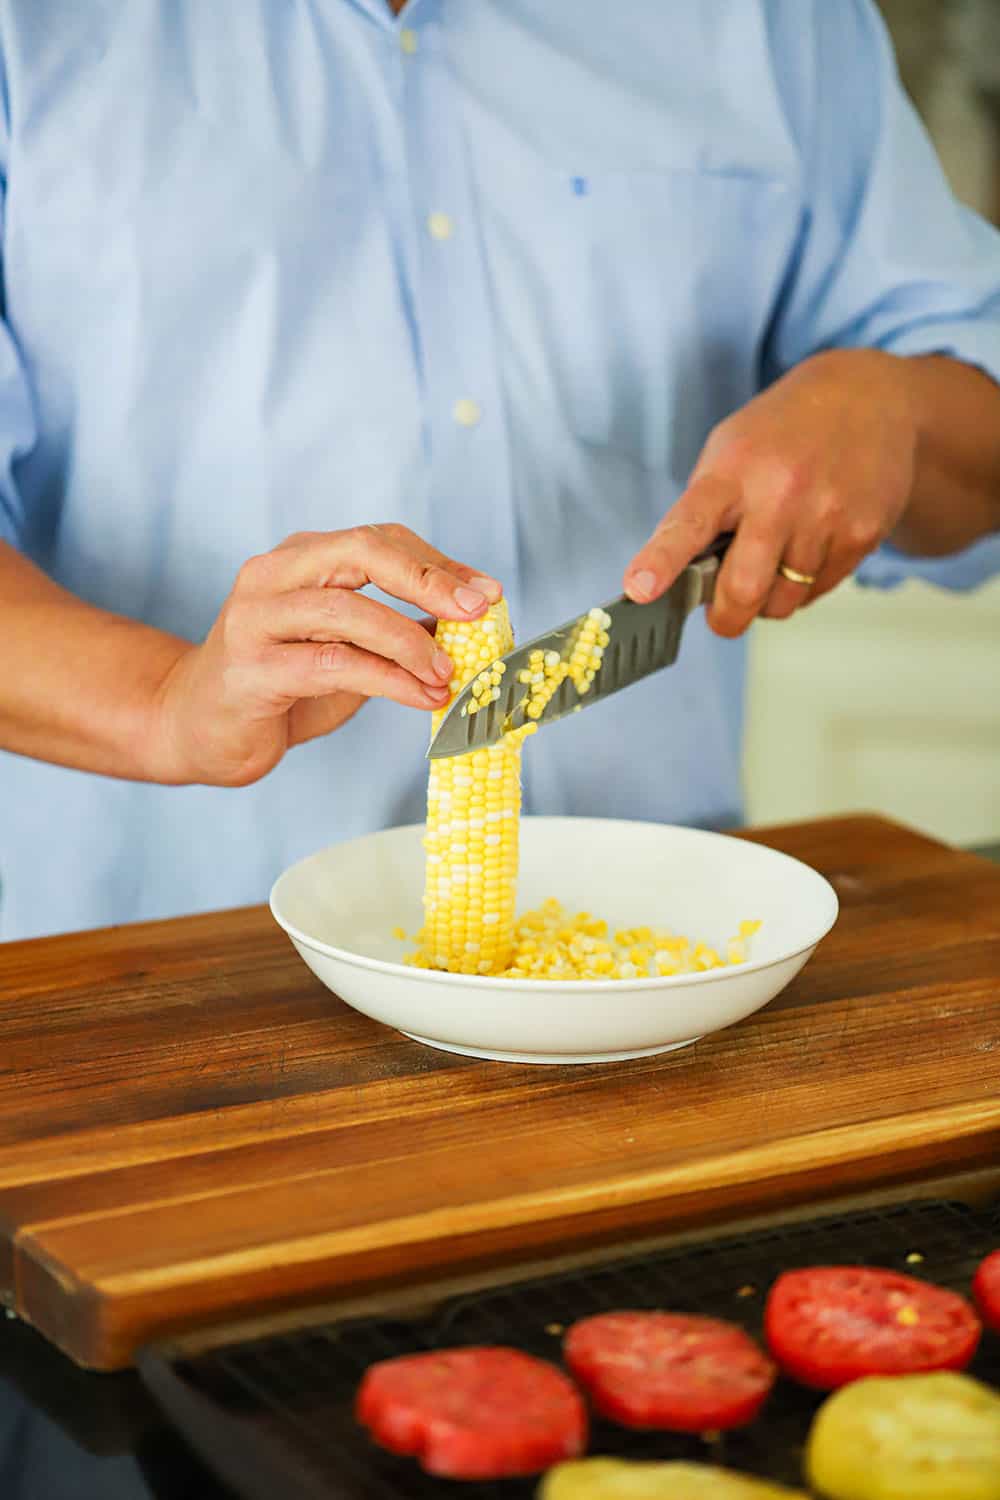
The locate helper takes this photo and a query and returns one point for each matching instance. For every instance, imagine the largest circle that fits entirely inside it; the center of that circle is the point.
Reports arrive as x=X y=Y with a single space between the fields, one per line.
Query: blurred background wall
x=892 y=702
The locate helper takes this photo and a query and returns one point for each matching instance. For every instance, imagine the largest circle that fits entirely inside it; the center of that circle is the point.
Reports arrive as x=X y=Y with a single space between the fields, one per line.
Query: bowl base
x=564 y=1059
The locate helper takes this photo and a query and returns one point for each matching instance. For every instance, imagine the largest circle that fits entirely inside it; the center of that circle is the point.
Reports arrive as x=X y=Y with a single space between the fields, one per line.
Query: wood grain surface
x=192 y=1127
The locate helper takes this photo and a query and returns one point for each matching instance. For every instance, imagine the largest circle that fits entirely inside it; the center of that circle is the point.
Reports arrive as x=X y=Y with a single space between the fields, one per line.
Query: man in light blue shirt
x=504 y=281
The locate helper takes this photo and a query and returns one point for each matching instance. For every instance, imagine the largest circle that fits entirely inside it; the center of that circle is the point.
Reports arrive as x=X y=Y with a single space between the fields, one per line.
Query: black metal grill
x=278 y=1410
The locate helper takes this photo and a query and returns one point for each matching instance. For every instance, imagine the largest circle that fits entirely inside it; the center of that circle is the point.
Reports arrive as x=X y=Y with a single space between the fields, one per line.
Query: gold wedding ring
x=794 y=576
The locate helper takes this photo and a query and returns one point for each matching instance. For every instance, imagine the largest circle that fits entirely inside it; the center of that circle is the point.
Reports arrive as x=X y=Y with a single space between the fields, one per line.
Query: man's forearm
x=78 y=685
x=956 y=490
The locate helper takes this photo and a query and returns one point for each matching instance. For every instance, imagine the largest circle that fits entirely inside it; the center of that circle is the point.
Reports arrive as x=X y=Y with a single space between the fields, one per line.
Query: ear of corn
x=473 y=812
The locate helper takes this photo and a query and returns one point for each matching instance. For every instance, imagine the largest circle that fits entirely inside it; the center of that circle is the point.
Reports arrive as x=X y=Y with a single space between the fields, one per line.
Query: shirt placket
x=470 y=494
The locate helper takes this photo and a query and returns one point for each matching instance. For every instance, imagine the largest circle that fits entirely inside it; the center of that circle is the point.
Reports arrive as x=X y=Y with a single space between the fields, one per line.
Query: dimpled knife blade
x=644 y=638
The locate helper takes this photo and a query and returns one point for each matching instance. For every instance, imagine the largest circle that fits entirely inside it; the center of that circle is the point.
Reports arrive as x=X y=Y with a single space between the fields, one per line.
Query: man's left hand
x=813 y=474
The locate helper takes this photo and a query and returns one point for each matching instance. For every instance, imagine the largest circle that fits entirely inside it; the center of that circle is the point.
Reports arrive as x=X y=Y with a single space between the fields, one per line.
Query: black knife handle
x=718 y=548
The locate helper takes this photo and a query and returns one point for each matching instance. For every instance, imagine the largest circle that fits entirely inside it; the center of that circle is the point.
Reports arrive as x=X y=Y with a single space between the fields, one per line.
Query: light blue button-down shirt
x=494 y=269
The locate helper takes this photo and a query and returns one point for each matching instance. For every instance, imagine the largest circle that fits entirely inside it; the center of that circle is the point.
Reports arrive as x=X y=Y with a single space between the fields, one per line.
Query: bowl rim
x=560 y=986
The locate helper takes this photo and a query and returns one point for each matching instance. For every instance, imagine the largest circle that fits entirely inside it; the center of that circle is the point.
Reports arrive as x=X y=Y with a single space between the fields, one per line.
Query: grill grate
x=289 y=1397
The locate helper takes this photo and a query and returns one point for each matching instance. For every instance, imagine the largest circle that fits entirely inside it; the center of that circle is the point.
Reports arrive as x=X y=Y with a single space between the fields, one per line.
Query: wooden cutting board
x=192 y=1127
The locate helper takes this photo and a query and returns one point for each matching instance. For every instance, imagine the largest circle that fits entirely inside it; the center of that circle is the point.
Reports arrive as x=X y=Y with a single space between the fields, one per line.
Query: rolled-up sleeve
x=887 y=257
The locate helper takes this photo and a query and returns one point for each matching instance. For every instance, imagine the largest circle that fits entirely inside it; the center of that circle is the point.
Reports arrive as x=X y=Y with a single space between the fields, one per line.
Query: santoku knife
x=643 y=638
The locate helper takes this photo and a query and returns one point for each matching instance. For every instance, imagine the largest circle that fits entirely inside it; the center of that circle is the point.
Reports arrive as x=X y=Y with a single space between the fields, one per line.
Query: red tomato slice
x=828 y=1325
x=483 y=1412
x=986 y=1290
x=669 y=1370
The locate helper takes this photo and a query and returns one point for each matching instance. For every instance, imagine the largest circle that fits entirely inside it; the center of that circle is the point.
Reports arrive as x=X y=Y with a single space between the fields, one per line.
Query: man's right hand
x=296 y=650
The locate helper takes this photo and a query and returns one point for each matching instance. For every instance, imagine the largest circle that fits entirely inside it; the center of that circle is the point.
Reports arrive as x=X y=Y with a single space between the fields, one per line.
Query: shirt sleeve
x=887 y=257
x=17 y=436
x=18 y=429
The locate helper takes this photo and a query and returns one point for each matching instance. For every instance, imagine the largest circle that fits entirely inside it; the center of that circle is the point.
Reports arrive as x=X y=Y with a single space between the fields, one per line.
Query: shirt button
x=441 y=226
x=466 y=413
x=408 y=39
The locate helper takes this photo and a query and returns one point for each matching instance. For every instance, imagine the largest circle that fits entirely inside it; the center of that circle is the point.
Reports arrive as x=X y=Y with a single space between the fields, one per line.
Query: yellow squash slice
x=619 y=1479
x=907 y=1437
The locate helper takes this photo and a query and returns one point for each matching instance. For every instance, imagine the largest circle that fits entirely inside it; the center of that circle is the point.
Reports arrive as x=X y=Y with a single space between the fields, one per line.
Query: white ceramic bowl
x=339 y=908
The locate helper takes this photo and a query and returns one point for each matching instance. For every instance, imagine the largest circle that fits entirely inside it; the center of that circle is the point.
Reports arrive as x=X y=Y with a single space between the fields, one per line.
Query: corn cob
x=473 y=811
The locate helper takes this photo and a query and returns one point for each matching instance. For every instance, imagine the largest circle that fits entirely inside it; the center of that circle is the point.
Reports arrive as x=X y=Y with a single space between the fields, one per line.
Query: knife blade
x=643 y=638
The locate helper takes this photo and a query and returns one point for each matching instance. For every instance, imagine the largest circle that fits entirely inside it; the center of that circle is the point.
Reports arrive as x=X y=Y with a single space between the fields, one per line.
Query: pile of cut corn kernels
x=549 y=944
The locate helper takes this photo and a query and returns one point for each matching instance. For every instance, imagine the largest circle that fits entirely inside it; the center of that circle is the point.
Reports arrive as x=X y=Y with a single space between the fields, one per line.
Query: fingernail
x=439 y=694
x=443 y=665
x=642 y=585
x=488 y=587
x=468 y=599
